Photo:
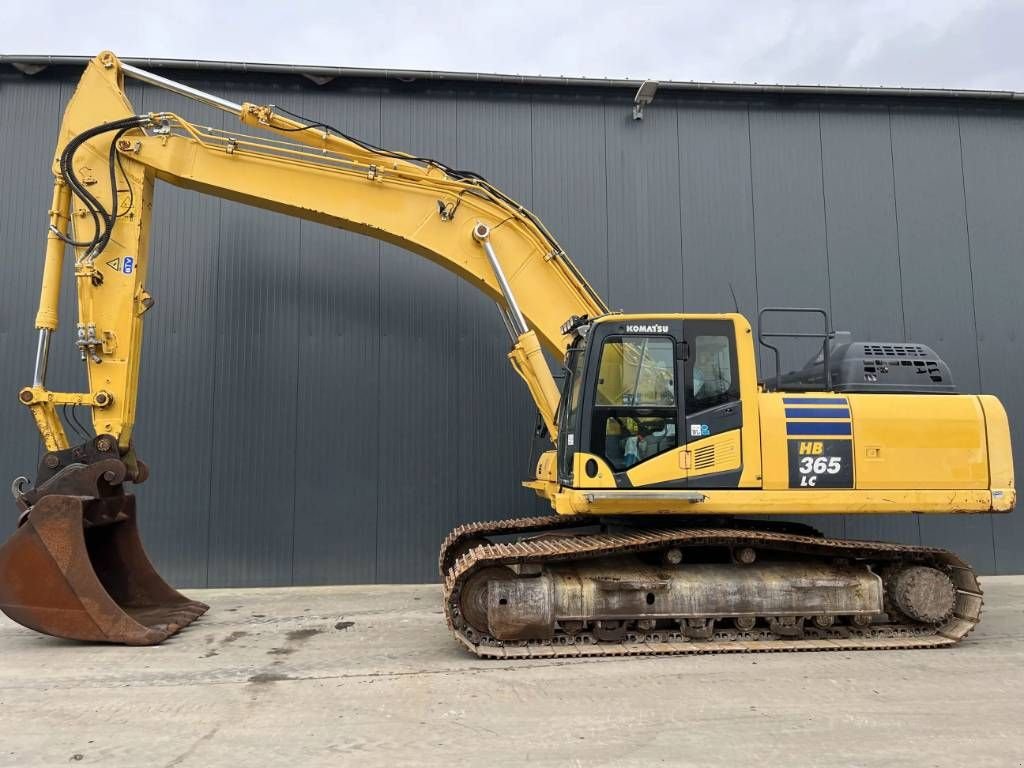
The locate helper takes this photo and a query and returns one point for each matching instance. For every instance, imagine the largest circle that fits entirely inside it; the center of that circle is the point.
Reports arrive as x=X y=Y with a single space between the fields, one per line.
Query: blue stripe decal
x=814 y=400
x=817 y=413
x=819 y=428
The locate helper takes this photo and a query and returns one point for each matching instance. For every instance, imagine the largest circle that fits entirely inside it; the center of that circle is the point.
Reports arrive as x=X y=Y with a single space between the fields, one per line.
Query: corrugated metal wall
x=321 y=408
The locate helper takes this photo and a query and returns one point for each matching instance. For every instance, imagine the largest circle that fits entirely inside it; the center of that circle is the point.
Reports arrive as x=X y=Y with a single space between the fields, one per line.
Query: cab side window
x=710 y=376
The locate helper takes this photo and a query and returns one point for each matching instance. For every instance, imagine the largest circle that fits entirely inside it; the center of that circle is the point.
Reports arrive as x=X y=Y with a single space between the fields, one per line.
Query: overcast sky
x=936 y=43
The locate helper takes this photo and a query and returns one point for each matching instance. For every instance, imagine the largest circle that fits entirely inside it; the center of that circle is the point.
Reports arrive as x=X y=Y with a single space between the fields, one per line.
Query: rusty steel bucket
x=75 y=568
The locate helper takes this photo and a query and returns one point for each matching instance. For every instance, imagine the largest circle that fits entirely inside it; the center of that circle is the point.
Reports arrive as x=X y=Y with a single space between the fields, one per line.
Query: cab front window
x=635 y=400
x=637 y=372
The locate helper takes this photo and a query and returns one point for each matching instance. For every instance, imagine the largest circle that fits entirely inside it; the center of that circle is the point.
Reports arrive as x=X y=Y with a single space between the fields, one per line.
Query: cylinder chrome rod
x=42 y=358
x=482 y=234
x=507 y=321
x=181 y=89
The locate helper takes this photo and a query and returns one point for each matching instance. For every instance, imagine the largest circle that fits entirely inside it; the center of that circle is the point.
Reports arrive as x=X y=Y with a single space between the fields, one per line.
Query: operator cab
x=639 y=387
x=657 y=401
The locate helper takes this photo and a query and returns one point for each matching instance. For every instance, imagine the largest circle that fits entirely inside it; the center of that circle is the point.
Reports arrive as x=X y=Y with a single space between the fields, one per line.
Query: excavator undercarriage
x=563 y=587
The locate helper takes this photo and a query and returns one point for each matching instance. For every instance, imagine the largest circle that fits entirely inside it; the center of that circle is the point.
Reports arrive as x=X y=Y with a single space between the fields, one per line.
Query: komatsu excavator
x=670 y=456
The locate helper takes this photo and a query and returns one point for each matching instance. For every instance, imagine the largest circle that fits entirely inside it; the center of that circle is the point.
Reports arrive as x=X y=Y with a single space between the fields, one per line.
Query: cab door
x=712 y=456
x=570 y=406
x=633 y=403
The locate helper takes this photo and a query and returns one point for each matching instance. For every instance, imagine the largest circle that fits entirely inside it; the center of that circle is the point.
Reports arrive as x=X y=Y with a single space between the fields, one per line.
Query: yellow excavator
x=671 y=460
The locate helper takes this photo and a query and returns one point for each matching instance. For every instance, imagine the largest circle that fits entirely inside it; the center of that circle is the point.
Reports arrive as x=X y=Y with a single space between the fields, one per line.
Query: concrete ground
x=369 y=676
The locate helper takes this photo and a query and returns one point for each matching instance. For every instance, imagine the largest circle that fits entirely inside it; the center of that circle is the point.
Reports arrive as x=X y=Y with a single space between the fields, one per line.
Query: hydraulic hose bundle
x=103 y=218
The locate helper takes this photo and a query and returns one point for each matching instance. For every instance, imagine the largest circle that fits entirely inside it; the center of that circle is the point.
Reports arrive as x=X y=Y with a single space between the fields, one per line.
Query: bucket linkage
x=75 y=567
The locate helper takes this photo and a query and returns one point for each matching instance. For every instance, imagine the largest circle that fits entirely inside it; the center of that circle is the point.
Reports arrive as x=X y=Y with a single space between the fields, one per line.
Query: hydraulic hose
x=103 y=218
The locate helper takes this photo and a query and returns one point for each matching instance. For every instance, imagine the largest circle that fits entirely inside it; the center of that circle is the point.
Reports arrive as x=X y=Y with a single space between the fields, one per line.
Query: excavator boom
x=457 y=220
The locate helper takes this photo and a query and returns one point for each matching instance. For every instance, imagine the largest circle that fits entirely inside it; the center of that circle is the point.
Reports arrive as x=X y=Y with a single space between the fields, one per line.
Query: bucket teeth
x=76 y=569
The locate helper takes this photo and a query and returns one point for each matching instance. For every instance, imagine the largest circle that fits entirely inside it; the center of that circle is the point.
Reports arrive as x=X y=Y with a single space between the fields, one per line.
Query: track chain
x=488 y=528
x=966 y=614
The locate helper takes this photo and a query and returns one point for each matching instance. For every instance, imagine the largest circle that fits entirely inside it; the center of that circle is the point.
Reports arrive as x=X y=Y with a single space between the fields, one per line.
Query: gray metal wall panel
x=252 y=500
x=176 y=406
x=716 y=209
x=789 y=232
x=495 y=139
x=570 y=185
x=993 y=170
x=29 y=118
x=339 y=351
x=644 y=236
x=320 y=408
x=938 y=300
x=863 y=253
x=860 y=219
x=938 y=304
x=789 y=226
x=419 y=320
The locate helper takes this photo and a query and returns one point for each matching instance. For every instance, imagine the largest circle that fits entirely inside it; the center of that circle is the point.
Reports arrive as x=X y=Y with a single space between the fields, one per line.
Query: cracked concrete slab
x=368 y=675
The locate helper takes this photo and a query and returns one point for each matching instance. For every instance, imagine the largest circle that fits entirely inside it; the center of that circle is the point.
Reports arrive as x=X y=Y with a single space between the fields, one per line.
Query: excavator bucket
x=75 y=568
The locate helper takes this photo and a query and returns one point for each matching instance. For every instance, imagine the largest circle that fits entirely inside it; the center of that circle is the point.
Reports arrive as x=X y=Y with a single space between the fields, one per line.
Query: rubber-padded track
x=562 y=548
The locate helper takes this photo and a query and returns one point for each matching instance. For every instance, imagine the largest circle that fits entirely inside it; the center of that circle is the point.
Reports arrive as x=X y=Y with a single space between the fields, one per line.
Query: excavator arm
x=106 y=151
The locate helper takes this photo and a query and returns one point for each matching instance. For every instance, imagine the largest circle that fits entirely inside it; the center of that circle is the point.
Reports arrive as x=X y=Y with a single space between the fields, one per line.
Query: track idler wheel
x=473 y=598
x=75 y=568
x=922 y=593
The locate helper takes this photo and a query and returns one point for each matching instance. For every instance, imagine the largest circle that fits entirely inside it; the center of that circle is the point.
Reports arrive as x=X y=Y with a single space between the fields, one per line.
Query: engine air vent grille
x=872 y=366
x=894 y=350
x=704 y=457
